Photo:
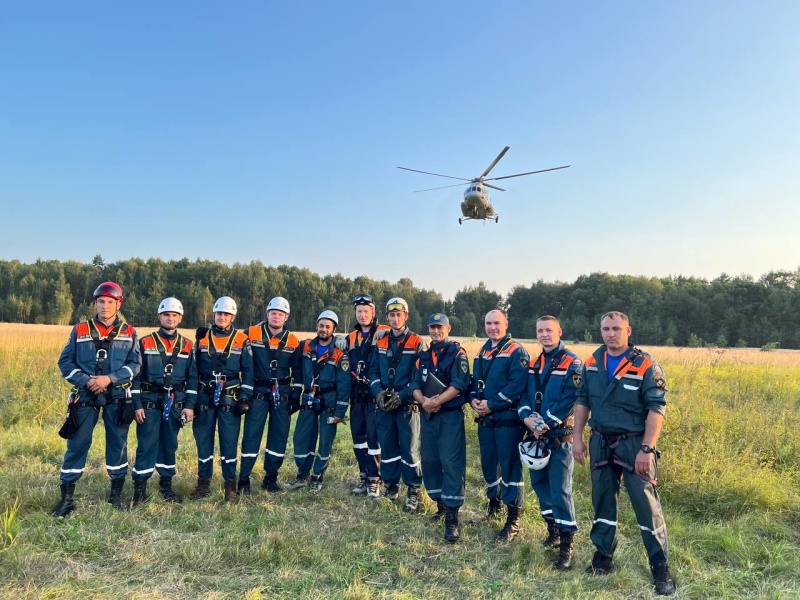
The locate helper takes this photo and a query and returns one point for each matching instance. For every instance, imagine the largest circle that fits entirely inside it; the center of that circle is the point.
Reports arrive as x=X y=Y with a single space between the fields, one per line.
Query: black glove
x=295 y=400
x=125 y=413
x=200 y=333
x=242 y=406
x=70 y=426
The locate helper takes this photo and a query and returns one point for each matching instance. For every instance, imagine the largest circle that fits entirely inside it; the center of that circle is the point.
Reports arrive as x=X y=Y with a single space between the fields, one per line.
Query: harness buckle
x=538 y=396
x=480 y=385
x=168 y=368
x=102 y=355
x=391 y=373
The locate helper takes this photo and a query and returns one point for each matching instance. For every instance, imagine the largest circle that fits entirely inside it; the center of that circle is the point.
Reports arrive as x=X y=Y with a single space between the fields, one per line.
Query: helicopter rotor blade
x=494 y=187
x=440 y=188
x=528 y=173
x=496 y=160
x=435 y=174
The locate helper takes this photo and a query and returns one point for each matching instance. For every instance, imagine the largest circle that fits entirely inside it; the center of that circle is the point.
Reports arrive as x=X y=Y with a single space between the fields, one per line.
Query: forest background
x=738 y=311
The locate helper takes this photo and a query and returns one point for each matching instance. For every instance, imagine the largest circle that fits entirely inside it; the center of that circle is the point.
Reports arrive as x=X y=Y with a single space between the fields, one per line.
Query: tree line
x=682 y=311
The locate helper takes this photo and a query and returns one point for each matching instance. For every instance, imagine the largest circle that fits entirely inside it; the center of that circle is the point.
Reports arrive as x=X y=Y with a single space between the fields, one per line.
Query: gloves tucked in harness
x=125 y=412
x=388 y=400
x=70 y=426
x=312 y=402
x=242 y=406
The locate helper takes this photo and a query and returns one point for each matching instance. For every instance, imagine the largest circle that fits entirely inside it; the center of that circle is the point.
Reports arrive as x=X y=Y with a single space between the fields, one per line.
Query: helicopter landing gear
x=497 y=219
x=460 y=221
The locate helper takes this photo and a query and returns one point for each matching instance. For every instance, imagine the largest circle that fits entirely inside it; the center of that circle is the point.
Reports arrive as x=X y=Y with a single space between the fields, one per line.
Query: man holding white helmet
x=397 y=418
x=547 y=411
x=326 y=384
x=362 y=405
x=225 y=373
x=276 y=361
x=160 y=389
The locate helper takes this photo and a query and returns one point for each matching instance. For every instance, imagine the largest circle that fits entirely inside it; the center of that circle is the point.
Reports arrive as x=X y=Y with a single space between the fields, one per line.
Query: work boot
x=316 y=484
x=230 y=490
x=412 y=499
x=601 y=565
x=451 y=524
x=494 y=508
x=665 y=586
x=374 y=488
x=440 y=511
x=166 y=491
x=551 y=541
x=202 y=490
x=115 y=495
x=67 y=505
x=299 y=482
x=362 y=487
x=270 y=484
x=511 y=528
x=564 y=560
x=391 y=492
x=243 y=487
x=140 y=491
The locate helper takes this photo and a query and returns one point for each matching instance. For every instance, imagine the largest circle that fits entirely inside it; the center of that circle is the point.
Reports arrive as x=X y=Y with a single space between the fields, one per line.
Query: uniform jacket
x=558 y=401
x=265 y=349
x=449 y=363
x=379 y=364
x=507 y=379
x=184 y=369
x=238 y=366
x=333 y=379
x=360 y=348
x=78 y=360
x=621 y=405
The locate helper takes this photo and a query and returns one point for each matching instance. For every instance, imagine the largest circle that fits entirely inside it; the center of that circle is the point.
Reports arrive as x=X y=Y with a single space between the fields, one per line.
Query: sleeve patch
x=659 y=377
x=576 y=380
x=524 y=361
x=464 y=364
x=345 y=364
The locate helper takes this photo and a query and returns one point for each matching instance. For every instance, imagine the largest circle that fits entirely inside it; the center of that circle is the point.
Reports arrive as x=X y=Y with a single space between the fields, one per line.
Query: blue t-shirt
x=321 y=350
x=612 y=363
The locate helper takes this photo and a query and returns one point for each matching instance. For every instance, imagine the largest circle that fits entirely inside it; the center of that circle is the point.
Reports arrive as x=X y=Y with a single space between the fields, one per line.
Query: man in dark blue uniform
x=225 y=373
x=546 y=409
x=168 y=374
x=440 y=387
x=623 y=389
x=499 y=379
x=362 y=405
x=100 y=360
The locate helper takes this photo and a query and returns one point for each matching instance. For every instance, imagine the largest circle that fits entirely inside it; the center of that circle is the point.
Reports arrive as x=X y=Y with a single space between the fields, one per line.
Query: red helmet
x=110 y=289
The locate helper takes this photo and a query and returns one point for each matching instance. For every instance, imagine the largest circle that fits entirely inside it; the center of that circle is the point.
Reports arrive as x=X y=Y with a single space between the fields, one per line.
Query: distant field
x=730 y=488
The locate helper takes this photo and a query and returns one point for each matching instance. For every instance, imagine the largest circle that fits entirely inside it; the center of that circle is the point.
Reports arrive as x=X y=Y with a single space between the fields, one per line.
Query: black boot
x=494 y=509
x=511 y=528
x=270 y=484
x=165 y=488
x=67 y=505
x=115 y=495
x=451 y=524
x=601 y=565
x=230 y=490
x=140 y=491
x=665 y=586
x=243 y=487
x=202 y=490
x=551 y=541
x=564 y=560
x=440 y=511
x=361 y=488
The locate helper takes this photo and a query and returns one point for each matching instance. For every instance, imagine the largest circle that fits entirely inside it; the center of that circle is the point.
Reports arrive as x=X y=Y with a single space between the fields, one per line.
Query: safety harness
x=541 y=387
x=218 y=360
x=610 y=442
x=360 y=389
x=169 y=366
x=273 y=354
x=317 y=393
x=102 y=346
x=480 y=387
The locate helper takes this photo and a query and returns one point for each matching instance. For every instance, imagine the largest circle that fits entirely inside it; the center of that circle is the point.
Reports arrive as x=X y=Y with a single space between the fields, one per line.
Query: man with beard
x=362 y=405
x=326 y=384
x=160 y=389
x=440 y=387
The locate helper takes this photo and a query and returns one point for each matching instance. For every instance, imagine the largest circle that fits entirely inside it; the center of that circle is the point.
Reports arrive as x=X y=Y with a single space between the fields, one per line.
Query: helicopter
x=476 y=205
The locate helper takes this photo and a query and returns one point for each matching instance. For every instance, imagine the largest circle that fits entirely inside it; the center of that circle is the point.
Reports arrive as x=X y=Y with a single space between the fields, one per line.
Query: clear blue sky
x=271 y=131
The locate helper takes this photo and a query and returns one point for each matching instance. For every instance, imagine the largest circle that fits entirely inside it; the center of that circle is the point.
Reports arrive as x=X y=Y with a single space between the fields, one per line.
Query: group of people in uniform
x=406 y=404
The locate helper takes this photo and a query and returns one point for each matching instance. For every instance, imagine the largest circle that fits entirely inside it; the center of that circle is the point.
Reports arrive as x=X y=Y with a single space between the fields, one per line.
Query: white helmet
x=329 y=314
x=396 y=304
x=170 y=305
x=535 y=454
x=225 y=304
x=279 y=303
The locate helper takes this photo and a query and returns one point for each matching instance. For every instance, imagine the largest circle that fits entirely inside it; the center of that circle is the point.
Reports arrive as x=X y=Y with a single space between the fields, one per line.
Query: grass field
x=730 y=486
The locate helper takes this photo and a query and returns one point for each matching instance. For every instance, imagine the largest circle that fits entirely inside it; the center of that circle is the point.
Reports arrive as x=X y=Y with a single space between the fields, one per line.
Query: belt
x=160 y=405
x=149 y=387
x=269 y=382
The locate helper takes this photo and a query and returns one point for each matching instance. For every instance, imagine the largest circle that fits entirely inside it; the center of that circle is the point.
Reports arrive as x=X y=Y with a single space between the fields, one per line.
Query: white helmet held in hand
x=170 y=305
x=225 y=304
x=279 y=303
x=330 y=315
x=535 y=454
